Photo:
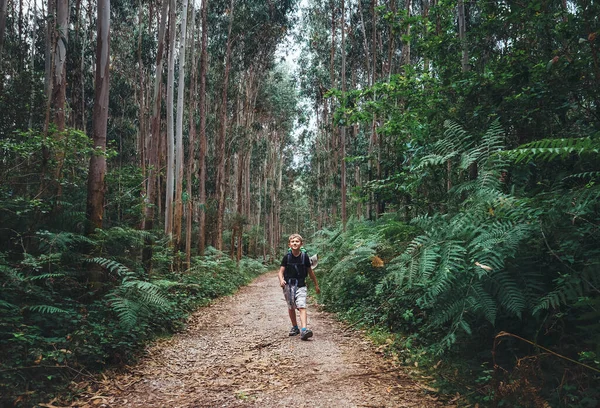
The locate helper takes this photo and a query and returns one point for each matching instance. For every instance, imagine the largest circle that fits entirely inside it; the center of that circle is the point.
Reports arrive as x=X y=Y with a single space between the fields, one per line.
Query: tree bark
x=59 y=83
x=192 y=143
x=220 y=145
x=170 y=126
x=343 y=127
x=202 y=141
x=3 y=8
x=59 y=86
x=153 y=141
x=95 y=187
x=462 y=35
x=179 y=162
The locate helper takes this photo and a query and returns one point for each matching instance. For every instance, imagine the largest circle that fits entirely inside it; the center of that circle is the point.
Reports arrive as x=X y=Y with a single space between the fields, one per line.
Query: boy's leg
x=292 y=313
x=302 y=317
x=301 y=304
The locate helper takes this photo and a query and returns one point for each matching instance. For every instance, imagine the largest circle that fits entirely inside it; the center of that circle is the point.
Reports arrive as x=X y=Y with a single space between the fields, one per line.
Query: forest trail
x=237 y=353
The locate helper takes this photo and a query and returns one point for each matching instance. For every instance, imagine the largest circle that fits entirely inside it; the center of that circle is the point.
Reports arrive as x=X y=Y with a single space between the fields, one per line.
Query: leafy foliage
x=501 y=256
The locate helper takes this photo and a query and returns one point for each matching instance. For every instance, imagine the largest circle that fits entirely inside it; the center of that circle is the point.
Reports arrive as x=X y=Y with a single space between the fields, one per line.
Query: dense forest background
x=440 y=156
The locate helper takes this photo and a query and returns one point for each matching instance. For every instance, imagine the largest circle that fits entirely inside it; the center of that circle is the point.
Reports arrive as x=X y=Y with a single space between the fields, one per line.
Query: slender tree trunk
x=425 y=16
x=59 y=82
x=462 y=35
x=154 y=140
x=220 y=145
x=141 y=96
x=59 y=87
x=179 y=164
x=192 y=143
x=343 y=128
x=202 y=141
x=170 y=125
x=33 y=41
x=95 y=193
x=406 y=45
x=365 y=42
x=3 y=8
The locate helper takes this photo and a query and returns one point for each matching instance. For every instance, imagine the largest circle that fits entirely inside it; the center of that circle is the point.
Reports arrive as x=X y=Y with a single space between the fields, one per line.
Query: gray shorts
x=295 y=297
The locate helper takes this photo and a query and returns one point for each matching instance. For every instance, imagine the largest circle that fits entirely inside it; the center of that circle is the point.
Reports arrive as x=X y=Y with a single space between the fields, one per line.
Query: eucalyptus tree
x=59 y=66
x=169 y=190
x=3 y=8
x=153 y=137
x=96 y=188
x=202 y=136
x=179 y=164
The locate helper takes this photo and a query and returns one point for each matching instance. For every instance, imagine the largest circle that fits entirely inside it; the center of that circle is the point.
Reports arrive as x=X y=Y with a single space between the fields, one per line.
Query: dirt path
x=237 y=353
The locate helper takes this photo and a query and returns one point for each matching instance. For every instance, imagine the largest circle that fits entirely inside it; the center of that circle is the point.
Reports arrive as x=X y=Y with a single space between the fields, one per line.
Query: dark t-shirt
x=296 y=269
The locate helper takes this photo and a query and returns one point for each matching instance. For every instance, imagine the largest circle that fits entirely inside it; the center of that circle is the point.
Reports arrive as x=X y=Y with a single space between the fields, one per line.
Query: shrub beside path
x=237 y=353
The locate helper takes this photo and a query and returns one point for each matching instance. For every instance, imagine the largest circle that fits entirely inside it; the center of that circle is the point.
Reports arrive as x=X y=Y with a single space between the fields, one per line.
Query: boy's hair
x=295 y=236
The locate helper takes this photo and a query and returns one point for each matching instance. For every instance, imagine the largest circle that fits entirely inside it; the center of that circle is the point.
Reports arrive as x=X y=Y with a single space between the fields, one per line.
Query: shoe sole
x=306 y=336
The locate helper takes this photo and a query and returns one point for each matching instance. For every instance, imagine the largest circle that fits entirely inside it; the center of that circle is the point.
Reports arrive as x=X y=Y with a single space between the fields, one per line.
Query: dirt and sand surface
x=237 y=353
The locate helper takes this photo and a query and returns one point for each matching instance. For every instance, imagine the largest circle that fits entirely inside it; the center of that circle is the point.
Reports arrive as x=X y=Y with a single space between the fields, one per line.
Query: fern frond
x=568 y=289
x=7 y=306
x=45 y=276
x=126 y=310
x=484 y=302
x=45 y=309
x=550 y=149
x=509 y=293
x=147 y=292
x=113 y=266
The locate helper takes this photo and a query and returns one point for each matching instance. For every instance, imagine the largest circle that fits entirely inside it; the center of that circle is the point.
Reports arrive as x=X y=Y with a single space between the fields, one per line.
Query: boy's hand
x=317 y=289
x=282 y=283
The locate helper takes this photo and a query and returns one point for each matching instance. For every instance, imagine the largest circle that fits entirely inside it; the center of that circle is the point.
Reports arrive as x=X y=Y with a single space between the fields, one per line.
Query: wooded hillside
x=441 y=156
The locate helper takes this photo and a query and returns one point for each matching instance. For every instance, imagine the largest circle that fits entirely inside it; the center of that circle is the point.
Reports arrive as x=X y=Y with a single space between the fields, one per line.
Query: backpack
x=313 y=259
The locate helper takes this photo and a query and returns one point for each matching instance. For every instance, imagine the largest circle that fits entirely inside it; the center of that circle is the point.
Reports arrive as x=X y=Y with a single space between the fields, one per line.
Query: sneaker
x=306 y=334
x=294 y=331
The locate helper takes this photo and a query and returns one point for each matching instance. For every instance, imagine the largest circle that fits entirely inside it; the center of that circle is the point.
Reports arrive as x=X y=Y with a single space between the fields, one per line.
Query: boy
x=295 y=267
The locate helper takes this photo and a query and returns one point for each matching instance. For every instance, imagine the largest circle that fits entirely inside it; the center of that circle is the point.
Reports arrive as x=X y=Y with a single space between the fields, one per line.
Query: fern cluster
x=53 y=317
x=515 y=248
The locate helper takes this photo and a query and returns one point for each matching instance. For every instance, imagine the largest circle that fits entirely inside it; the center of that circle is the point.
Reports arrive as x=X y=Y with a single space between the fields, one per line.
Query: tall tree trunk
x=59 y=81
x=59 y=86
x=425 y=15
x=33 y=41
x=202 y=142
x=462 y=35
x=343 y=128
x=153 y=140
x=332 y=142
x=406 y=45
x=220 y=145
x=192 y=143
x=179 y=165
x=3 y=8
x=170 y=125
x=141 y=147
x=95 y=187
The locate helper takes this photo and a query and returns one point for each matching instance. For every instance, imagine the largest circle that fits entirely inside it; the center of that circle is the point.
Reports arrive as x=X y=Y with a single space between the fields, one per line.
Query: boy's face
x=295 y=243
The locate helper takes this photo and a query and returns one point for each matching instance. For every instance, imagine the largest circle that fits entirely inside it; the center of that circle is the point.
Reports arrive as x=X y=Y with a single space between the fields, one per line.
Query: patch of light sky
x=288 y=53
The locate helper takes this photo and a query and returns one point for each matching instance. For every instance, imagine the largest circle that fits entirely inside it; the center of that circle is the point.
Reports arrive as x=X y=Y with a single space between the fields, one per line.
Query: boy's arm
x=280 y=274
x=313 y=277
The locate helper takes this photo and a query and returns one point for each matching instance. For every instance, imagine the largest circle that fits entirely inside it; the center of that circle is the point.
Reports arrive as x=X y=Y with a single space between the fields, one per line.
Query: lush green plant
x=55 y=322
x=513 y=250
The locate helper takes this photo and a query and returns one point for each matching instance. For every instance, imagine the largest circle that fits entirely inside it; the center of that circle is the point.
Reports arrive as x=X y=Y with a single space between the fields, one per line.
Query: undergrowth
x=495 y=292
x=56 y=325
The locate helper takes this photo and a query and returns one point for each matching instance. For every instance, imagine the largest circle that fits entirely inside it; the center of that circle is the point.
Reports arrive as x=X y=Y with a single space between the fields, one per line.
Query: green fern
x=134 y=299
x=7 y=306
x=550 y=149
x=45 y=309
